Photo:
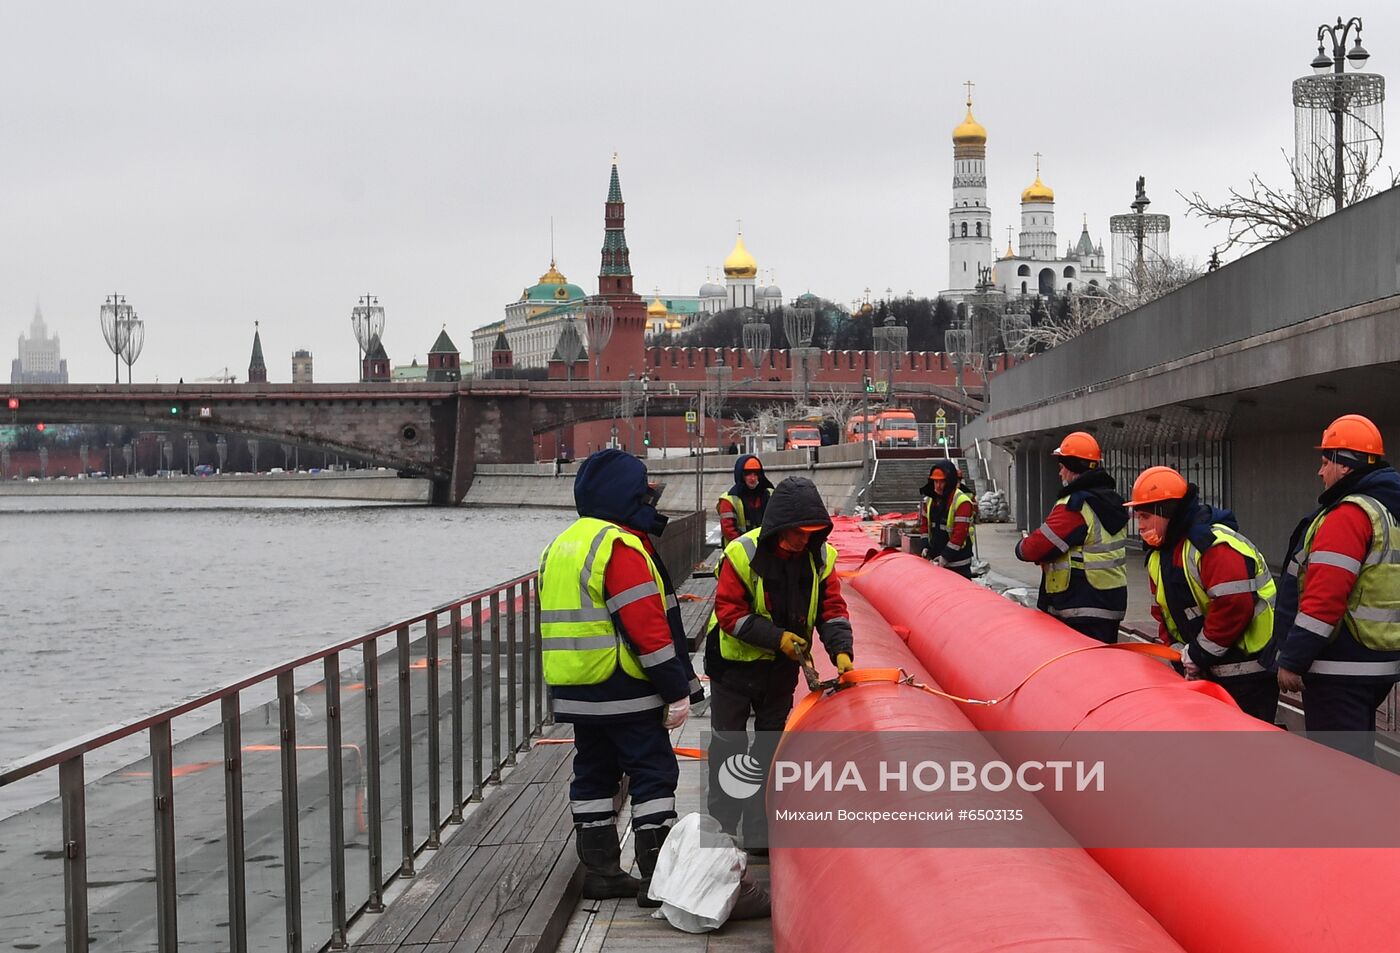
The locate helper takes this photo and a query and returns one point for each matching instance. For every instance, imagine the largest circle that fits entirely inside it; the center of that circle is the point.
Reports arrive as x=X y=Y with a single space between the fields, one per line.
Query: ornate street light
x=799 y=325
x=115 y=318
x=598 y=322
x=757 y=336
x=135 y=341
x=1336 y=117
x=367 y=322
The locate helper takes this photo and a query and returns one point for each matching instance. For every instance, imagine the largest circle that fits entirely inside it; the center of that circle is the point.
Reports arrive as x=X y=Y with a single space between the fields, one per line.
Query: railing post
x=405 y=754
x=457 y=794
x=369 y=651
x=476 y=700
x=527 y=727
x=544 y=702
x=233 y=824
x=291 y=836
x=496 y=686
x=75 y=902
x=335 y=784
x=434 y=752
x=511 y=743
x=163 y=791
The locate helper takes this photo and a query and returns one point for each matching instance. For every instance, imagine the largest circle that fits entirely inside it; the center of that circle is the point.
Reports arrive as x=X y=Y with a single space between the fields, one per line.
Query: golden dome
x=1038 y=191
x=1009 y=252
x=553 y=276
x=656 y=309
x=740 y=263
x=673 y=324
x=971 y=132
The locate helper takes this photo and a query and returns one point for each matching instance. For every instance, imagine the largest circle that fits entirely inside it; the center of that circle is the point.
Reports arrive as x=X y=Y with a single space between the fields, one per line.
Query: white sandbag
x=697 y=875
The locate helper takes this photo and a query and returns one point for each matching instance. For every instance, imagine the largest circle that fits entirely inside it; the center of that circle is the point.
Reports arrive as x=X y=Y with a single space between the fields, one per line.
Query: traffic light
x=14 y=403
x=39 y=426
x=174 y=411
x=942 y=440
x=869 y=384
x=646 y=439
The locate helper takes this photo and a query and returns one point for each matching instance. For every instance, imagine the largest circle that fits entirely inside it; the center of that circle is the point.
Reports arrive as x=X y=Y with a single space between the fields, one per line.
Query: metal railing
x=497 y=651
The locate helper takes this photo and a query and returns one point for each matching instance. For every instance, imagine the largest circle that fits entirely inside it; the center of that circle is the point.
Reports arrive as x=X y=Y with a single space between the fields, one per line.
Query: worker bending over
x=776 y=585
x=1213 y=596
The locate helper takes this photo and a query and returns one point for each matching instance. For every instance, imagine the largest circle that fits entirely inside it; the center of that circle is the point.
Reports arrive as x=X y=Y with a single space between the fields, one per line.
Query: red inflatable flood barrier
x=954 y=900
x=1242 y=900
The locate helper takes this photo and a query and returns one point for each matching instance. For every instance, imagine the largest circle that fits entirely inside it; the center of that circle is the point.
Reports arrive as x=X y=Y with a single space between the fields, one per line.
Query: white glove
x=676 y=714
x=1192 y=669
x=940 y=561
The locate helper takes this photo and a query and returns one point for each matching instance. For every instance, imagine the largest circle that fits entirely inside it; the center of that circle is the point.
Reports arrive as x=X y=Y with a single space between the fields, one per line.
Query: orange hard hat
x=1080 y=445
x=813 y=527
x=753 y=463
x=1157 y=485
x=1353 y=432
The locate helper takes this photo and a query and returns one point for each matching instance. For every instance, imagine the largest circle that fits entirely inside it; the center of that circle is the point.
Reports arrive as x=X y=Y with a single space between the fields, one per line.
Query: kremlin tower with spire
x=625 y=351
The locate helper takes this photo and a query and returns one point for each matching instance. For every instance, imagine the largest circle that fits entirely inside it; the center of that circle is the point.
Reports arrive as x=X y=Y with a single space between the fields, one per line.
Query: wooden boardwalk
x=508 y=880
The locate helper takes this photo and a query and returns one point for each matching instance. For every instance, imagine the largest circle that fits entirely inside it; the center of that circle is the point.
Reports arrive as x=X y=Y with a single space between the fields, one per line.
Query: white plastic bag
x=697 y=875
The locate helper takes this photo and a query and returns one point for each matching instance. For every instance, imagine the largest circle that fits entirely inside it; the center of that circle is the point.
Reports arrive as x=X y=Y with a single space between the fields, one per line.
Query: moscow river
x=114 y=608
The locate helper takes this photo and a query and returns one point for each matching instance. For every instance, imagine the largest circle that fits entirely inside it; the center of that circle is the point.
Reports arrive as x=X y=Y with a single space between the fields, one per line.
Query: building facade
x=969 y=217
x=532 y=322
x=39 y=361
x=301 y=367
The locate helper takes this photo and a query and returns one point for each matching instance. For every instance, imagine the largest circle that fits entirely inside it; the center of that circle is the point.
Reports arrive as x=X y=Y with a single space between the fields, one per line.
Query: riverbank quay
x=368 y=486
x=283 y=810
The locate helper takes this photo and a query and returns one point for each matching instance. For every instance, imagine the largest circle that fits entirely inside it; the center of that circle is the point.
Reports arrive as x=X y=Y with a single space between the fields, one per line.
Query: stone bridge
x=438 y=430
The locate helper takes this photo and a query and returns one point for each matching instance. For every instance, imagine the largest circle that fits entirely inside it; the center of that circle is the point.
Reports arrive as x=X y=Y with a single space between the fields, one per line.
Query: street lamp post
x=1336 y=64
x=367 y=323
x=115 y=317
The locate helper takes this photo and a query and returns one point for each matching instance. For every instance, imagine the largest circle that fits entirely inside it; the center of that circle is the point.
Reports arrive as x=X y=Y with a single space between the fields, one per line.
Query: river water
x=115 y=608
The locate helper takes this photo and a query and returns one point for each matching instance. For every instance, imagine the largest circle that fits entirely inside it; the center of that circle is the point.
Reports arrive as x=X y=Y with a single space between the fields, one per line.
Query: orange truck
x=861 y=427
x=897 y=427
x=800 y=434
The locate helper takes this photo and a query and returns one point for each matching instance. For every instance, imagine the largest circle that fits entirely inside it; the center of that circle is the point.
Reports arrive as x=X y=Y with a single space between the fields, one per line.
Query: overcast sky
x=276 y=160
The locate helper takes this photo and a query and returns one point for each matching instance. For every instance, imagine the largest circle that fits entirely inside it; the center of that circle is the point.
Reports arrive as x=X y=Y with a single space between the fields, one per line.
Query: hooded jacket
x=612 y=486
x=1345 y=531
x=935 y=515
x=787 y=583
x=753 y=501
x=1229 y=614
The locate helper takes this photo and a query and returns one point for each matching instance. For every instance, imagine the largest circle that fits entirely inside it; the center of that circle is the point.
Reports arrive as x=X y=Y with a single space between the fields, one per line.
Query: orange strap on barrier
x=897 y=675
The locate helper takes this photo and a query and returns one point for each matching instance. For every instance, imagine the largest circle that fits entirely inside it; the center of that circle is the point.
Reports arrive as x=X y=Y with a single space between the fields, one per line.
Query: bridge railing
x=294 y=797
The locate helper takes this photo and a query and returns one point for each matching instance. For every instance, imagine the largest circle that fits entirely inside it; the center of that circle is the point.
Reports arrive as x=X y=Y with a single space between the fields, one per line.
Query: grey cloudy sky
x=273 y=161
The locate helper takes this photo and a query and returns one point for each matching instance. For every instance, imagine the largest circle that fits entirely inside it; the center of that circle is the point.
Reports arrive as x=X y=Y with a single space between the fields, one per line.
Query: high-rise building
x=39 y=361
x=301 y=367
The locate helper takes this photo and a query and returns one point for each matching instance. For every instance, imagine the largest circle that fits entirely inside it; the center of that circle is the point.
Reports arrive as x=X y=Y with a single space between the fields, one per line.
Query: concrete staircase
x=897 y=484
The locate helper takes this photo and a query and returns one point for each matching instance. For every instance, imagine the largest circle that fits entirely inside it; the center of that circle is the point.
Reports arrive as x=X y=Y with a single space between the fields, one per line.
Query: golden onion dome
x=553 y=276
x=673 y=324
x=740 y=264
x=656 y=309
x=1038 y=191
x=970 y=132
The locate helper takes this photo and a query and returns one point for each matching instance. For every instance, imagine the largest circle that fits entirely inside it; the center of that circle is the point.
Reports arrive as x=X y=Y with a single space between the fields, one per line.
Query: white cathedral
x=1035 y=269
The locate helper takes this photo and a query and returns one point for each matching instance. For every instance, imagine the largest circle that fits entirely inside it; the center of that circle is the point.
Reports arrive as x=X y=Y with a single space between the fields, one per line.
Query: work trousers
x=1341 y=713
x=1257 y=696
x=1101 y=630
x=762 y=690
x=604 y=752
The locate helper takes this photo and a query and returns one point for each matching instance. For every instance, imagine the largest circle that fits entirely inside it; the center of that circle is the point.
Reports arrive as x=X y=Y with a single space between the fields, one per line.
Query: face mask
x=1151 y=537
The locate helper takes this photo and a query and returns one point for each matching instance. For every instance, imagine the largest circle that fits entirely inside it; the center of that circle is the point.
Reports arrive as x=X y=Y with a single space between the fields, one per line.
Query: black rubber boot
x=648 y=843
x=603 y=877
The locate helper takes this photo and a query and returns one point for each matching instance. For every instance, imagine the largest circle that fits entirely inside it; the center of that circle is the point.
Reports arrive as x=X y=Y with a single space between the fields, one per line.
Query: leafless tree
x=832 y=405
x=1092 y=305
x=1261 y=213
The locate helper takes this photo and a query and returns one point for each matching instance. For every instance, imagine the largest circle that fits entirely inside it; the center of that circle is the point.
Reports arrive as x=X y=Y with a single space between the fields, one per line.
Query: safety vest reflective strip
x=738 y=515
x=959 y=498
x=1103 y=557
x=740 y=555
x=1257 y=634
x=580 y=643
x=1373 y=606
